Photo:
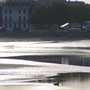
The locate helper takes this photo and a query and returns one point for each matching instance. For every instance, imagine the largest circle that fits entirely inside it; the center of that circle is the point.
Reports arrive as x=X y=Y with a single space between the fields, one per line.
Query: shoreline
x=55 y=59
x=43 y=36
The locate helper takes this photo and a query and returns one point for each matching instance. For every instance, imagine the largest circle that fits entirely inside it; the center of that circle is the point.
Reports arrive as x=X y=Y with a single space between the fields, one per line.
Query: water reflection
x=79 y=85
x=48 y=62
x=81 y=60
x=70 y=85
x=34 y=87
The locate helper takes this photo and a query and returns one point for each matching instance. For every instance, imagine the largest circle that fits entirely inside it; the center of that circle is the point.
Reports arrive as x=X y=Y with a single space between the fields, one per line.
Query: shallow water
x=81 y=47
x=68 y=57
x=34 y=87
x=72 y=85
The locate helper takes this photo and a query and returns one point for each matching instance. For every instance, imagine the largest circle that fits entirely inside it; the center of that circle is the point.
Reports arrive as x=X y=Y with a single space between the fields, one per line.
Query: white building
x=15 y=14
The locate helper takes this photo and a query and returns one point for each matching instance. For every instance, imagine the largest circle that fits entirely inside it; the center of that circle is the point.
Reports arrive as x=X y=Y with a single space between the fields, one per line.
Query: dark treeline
x=60 y=14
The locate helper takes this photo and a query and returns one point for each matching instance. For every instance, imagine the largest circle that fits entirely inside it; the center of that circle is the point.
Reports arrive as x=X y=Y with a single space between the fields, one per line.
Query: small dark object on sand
x=56 y=83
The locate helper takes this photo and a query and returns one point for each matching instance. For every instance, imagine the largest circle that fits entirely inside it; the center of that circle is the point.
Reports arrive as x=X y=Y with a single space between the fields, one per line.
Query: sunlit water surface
x=20 y=71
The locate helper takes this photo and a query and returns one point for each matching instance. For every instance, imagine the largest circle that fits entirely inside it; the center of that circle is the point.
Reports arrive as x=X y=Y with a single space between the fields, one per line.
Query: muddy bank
x=59 y=59
x=44 y=36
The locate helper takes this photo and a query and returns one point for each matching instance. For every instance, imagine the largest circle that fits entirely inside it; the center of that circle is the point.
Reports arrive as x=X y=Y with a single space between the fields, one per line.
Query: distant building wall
x=15 y=18
x=0 y=16
x=15 y=14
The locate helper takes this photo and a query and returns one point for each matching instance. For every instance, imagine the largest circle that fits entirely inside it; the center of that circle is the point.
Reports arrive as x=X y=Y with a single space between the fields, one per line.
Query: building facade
x=15 y=14
x=0 y=16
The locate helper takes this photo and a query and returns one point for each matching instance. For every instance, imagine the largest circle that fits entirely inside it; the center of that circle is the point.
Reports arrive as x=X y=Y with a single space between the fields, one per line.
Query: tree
x=80 y=14
x=59 y=13
x=53 y=14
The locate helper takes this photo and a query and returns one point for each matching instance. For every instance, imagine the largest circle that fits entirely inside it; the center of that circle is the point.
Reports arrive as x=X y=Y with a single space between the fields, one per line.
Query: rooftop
x=17 y=3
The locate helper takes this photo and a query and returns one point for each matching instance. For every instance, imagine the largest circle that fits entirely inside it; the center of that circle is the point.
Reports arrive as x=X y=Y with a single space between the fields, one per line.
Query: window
x=19 y=25
x=13 y=3
x=14 y=25
x=19 y=11
x=5 y=18
x=8 y=3
x=22 y=4
x=10 y=19
x=10 y=11
x=5 y=25
x=24 y=25
x=10 y=25
x=27 y=4
x=24 y=19
x=17 y=4
x=24 y=11
x=5 y=11
x=19 y=19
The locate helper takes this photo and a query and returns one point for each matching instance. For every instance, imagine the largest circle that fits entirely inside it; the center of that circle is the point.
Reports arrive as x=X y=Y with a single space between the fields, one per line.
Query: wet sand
x=79 y=60
x=46 y=36
x=33 y=86
x=71 y=85
x=22 y=69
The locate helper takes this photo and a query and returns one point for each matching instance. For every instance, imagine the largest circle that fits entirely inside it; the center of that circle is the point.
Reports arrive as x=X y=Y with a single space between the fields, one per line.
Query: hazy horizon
x=86 y=1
